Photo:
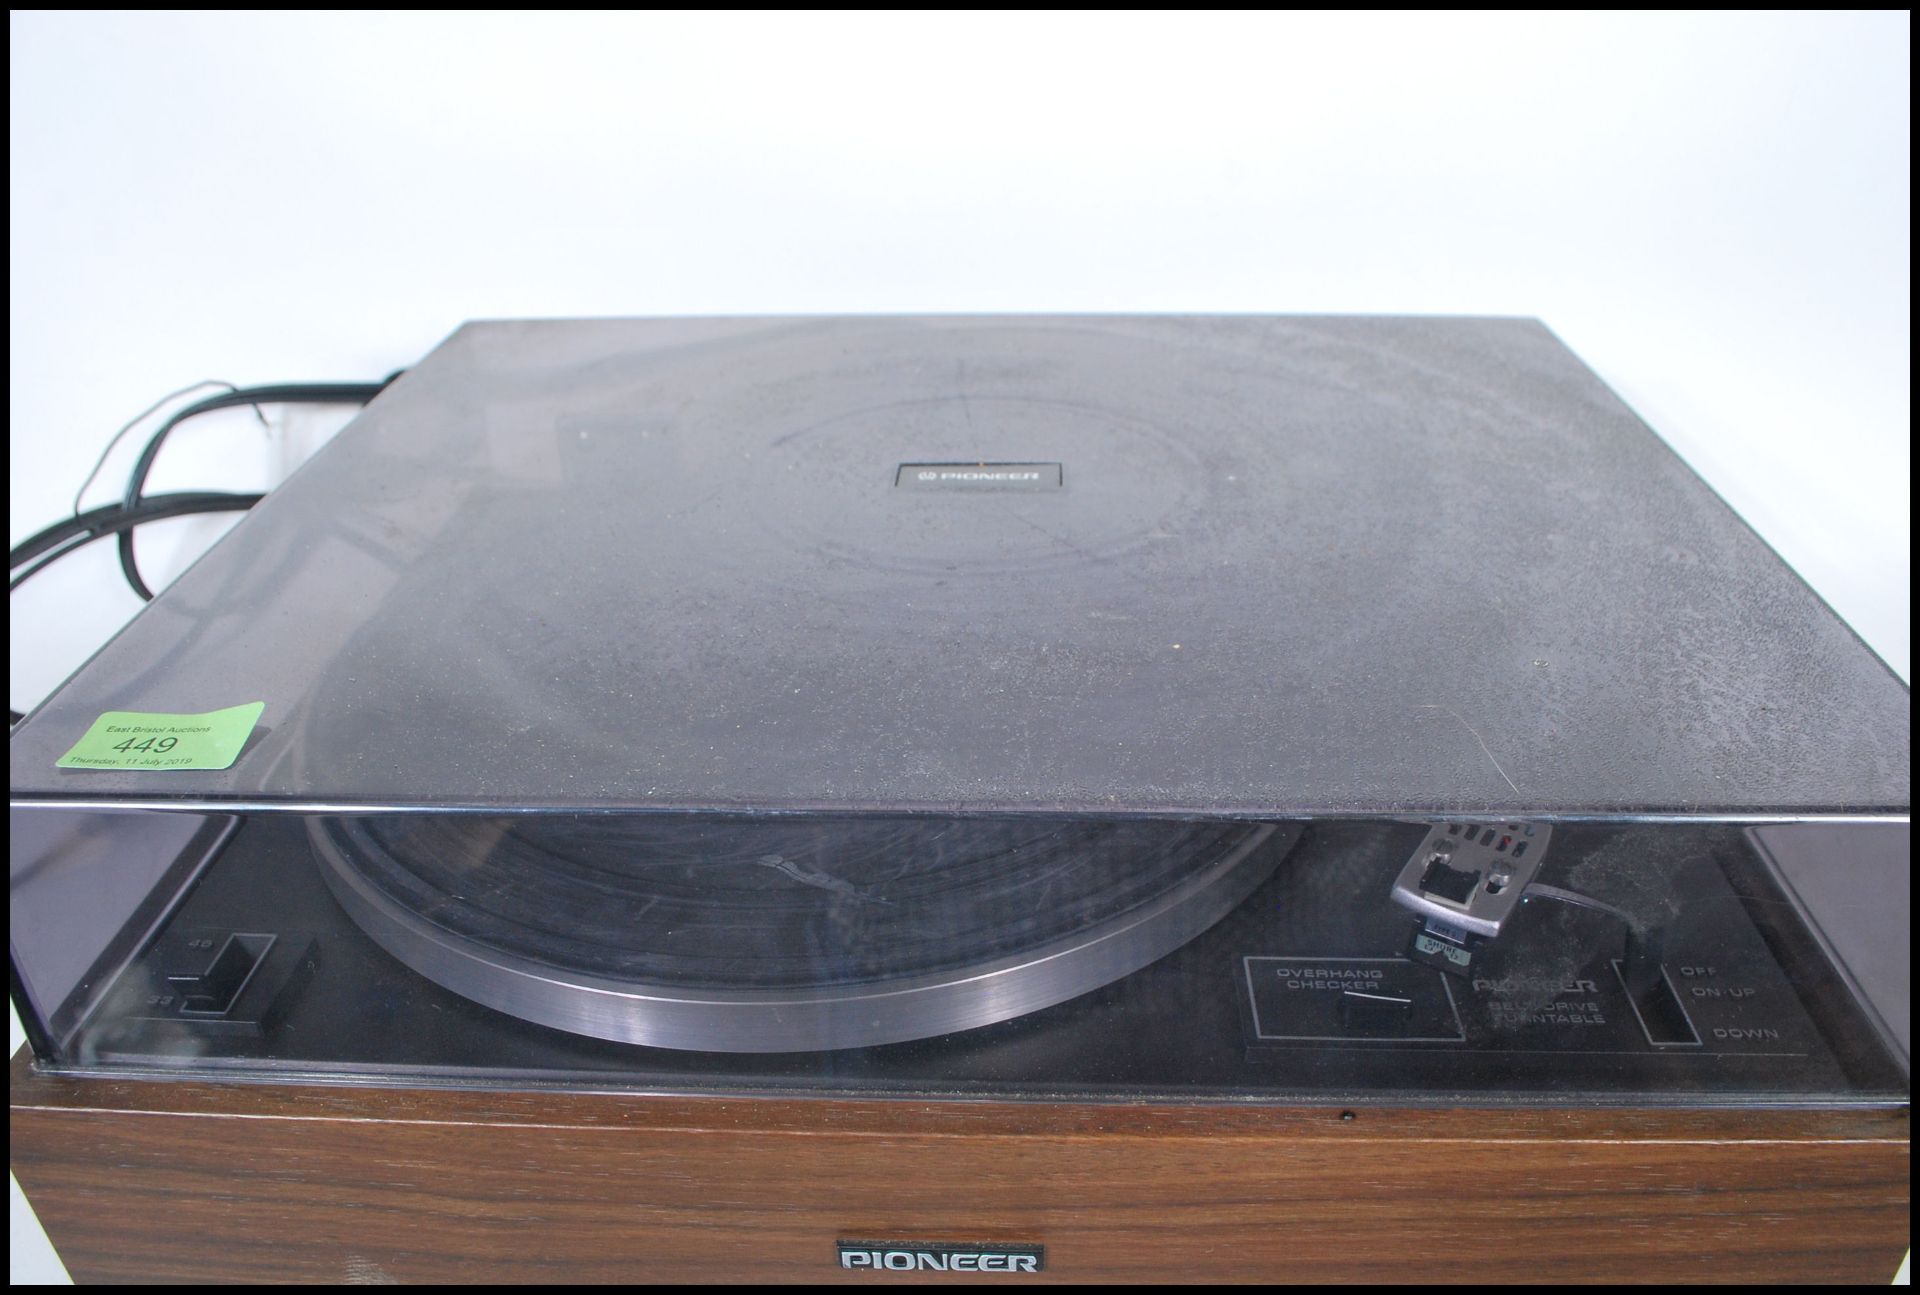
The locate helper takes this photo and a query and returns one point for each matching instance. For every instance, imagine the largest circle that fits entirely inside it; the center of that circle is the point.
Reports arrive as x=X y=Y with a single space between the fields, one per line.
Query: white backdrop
x=1712 y=210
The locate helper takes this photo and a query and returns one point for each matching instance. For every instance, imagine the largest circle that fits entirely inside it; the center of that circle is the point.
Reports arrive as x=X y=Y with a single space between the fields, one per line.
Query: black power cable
x=292 y=393
x=41 y=550
x=135 y=421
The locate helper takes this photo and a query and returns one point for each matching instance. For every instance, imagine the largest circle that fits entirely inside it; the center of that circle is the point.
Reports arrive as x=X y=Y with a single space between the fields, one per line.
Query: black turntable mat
x=784 y=933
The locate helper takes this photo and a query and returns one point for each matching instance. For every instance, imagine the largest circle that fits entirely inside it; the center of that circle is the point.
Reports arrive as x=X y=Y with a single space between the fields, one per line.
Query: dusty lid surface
x=1233 y=566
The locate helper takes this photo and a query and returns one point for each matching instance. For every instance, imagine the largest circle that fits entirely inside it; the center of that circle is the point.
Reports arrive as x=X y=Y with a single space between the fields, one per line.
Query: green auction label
x=126 y=739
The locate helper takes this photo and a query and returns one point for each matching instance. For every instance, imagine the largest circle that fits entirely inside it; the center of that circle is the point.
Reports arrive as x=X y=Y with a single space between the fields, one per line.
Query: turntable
x=1094 y=798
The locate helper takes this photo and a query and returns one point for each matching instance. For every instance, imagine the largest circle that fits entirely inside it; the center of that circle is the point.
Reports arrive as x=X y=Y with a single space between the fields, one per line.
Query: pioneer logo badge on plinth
x=916 y=1256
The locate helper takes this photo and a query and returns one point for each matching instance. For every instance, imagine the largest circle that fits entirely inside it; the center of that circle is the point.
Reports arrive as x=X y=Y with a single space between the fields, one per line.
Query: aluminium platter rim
x=897 y=1009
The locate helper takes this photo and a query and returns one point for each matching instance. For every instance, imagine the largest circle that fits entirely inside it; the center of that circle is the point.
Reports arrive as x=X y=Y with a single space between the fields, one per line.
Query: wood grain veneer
x=191 y=1181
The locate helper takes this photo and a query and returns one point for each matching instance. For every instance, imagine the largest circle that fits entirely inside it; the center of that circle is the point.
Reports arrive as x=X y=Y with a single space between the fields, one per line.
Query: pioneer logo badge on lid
x=979 y=476
x=916 y=1256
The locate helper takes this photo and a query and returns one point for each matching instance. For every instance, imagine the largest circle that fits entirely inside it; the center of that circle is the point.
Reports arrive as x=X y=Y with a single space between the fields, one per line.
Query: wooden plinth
x=191 y=1181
